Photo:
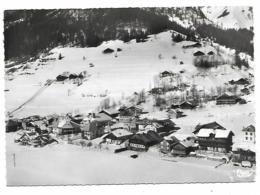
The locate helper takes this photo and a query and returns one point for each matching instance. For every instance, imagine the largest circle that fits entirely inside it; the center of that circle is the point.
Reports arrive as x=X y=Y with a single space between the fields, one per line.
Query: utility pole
x=14 y=159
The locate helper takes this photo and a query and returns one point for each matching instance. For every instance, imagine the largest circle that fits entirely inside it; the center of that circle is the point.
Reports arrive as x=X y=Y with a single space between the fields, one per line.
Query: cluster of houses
x=126 y=129
x=76 y=78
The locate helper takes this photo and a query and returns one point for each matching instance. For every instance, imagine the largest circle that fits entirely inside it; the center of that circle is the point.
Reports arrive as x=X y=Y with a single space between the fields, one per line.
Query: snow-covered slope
x=230 y=17
x=131 y=71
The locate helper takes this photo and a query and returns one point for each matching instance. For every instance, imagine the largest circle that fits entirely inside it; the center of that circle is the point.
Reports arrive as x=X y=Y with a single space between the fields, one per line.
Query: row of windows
x=247 y=138
x=250 y=133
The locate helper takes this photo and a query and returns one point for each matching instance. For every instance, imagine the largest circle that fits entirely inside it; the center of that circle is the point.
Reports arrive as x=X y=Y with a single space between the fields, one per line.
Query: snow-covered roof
x=61 y=123
x=187 y=143
x=121 y=132
x=119 y=126
x=220 y=133
x=180 y=136
x=205 y=132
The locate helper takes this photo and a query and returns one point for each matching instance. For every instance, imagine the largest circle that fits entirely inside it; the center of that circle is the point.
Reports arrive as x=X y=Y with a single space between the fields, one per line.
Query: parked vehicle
x=247 y=164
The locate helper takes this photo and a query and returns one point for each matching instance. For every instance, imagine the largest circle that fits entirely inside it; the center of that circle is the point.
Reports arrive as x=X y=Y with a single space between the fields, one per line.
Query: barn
x=226 y=98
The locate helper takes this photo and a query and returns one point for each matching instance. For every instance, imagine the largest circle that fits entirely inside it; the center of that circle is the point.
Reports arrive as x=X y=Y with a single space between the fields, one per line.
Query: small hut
x=198 y=53
x=108 y=50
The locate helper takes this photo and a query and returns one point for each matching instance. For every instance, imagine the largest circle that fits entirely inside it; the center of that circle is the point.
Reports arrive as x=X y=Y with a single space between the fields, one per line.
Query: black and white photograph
x=129 y=95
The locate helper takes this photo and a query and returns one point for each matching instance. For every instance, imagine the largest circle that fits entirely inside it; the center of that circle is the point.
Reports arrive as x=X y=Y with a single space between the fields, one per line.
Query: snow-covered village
x=129 y=96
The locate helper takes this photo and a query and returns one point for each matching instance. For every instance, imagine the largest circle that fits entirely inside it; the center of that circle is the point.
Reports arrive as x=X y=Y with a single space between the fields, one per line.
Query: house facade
x=92 y=129
x=226 y=99
x=142 y=141
x=180 y=149
x=249 y=134
x=118 y=136
x=129 y=116
x=215 y=140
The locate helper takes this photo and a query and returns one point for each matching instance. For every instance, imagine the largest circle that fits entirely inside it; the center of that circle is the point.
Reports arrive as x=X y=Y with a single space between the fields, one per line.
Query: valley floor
x=64 y=164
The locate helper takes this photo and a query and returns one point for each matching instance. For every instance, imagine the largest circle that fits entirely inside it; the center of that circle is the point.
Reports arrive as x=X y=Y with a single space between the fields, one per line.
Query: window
x=246 y=138
x=251 y=138
x=251 y=133
x=246 y=133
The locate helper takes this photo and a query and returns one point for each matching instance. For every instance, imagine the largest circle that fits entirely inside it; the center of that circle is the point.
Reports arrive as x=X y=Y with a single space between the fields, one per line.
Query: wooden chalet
x=166 y=73
x=227 y=98
x=187 y=105
x=142 y=141
x=156 y=91
x=165 y=127
x=118 y=136
x=211 y=53
x=214 y=138
x=13 y=125
x=174 y=113
x=131 y=111
x=241 y=81
x=175 y=106
x=110 y=112
x=67 y=127
x=198 y=53
x=245 y=91
x=108 y=50
x=167 y=143
x=182 y=148
x=240 y=155
x=62 y=77
x=211 y=125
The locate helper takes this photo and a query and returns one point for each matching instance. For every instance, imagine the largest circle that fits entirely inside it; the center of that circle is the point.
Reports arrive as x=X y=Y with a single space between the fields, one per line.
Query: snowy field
x=131 y=71
x=69 y=164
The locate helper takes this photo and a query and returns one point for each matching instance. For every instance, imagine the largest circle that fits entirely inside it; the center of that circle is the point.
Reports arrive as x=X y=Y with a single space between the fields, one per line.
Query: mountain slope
x=114 y=75
x=230 y=17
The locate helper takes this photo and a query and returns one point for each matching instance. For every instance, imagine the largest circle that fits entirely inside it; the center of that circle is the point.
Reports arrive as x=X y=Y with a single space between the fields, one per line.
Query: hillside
x=230 y=17
x=30 y=32
x=115 y=75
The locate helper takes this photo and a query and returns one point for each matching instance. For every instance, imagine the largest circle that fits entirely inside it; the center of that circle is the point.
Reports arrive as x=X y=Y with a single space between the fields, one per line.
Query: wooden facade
x=118 y=136
x=226 y=99
x=214 y=144
x=142 y=142
x=180 y=149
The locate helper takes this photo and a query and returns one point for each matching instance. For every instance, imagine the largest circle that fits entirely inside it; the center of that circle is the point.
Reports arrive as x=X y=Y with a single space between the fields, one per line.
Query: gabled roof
x=205 y=132
x=119 y=126
x=211 y=53
x=121 y=133
x=212 y=125
x=108 y=50
x=109 y=111
x=102 y=117
x=65 y=124
x=220 y=133
x=250 y=128
x=186 y=102
x=226 y=95
x=198 y=53
x=217 y=133
x=186 y=143
x=148 y=138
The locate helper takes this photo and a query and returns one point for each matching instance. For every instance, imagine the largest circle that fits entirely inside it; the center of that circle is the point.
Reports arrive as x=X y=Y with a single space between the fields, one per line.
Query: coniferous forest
x=28 y=32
